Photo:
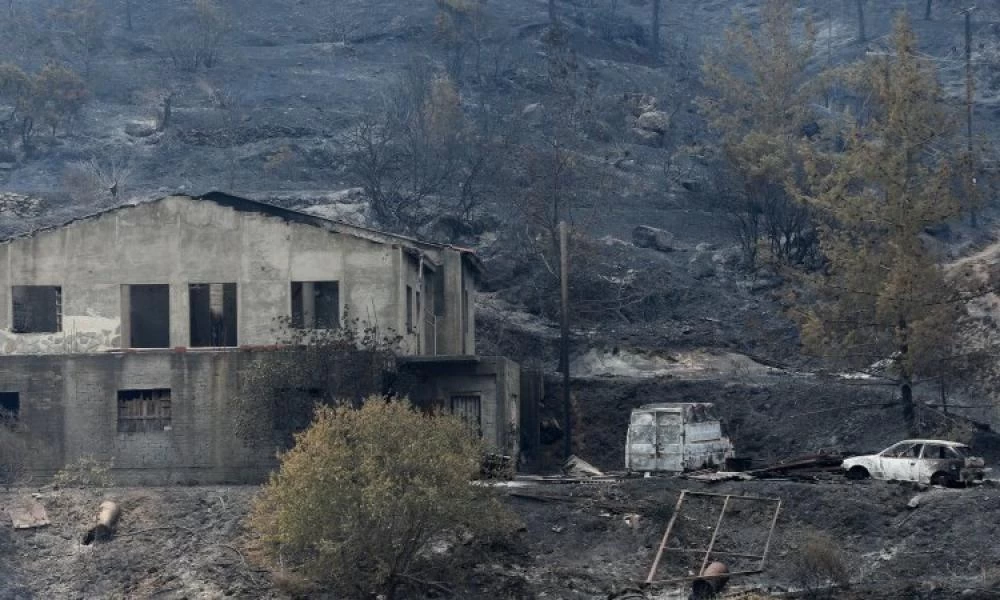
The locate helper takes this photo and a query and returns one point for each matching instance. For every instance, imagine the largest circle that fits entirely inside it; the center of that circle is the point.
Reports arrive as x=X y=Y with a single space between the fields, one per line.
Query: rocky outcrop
x=645 y=236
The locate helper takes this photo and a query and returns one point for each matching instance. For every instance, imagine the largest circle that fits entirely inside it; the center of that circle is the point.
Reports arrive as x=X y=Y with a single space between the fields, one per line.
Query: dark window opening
x=409 y=309
x=141 y=411
x=10 y=408
x=467 y=407
x=315 y=304
x=213 y=315
x=149 y=316
x=36 y=309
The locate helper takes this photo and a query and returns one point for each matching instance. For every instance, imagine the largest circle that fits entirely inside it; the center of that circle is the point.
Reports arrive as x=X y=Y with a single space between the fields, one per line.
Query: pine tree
x=762 y=89
x=883 y=296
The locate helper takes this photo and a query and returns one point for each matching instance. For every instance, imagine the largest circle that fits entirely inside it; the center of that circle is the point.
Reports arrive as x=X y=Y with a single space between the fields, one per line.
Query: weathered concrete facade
x=69 y=410
x=181 y=241
x=123 y=334
x=486 y=390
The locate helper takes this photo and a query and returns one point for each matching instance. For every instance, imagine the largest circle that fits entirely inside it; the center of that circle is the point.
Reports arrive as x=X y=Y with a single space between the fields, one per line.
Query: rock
x=701 y=266
x=705 y=247
x=654 y=120
x=636 y=104
x=140 y=129
x=645 y=236
x=914 y=502
x=531 y=109
x=763 y=283
x=646 y=138
x=729 y=257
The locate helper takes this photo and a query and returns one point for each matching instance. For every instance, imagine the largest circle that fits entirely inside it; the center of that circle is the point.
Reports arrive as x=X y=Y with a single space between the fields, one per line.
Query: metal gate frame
x=708 y=552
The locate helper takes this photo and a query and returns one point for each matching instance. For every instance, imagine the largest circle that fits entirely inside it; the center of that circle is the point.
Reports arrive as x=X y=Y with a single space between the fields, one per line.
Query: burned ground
x=576 y=542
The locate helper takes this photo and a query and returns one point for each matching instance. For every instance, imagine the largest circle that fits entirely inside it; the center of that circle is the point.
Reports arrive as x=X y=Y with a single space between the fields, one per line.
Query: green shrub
x=364 y=492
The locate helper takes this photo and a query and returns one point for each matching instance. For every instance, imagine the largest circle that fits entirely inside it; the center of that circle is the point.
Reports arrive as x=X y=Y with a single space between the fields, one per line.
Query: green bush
x=364 y=492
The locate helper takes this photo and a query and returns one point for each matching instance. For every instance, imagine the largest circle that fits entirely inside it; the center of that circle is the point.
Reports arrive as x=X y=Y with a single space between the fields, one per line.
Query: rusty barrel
x=711 y=581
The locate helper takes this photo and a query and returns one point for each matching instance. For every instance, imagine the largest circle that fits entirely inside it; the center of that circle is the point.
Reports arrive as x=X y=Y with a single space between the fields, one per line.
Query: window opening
x=409 y=309
x=315 y=304
x=10 y=408
x=468 y=408
x=36 y=309
x=149 y=316
x=141 y=411
x=213 y=314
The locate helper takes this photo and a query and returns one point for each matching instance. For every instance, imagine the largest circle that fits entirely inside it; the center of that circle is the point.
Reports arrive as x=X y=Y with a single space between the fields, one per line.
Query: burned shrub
x=818 y=567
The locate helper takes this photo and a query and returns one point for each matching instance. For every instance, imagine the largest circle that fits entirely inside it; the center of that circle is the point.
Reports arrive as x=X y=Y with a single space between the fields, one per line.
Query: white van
x=675 y=437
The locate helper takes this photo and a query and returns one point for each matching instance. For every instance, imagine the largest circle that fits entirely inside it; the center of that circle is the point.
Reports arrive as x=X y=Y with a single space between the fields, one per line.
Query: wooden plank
x=715 y=534
x=27 y=514
x=666 y=535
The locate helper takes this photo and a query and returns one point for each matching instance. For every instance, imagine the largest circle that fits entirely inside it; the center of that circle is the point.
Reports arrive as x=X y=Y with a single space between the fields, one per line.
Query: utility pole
x=969 y=91
x=968 y=74
x=656 y=30
x=862 y=37
x=564 y=338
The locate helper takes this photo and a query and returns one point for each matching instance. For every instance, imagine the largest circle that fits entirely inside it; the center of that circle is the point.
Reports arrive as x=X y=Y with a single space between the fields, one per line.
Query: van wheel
x=941 y=479
x=857 y=473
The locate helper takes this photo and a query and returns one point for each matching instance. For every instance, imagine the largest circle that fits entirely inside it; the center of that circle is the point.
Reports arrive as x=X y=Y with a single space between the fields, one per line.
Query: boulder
x=140 y=129
x=646 y=138
x=701 y=266
x=636 y=103
x=645 y=236
x=654 y=120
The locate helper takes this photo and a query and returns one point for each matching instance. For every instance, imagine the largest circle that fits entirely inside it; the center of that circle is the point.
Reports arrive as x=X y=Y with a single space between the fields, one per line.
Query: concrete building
x=123 y=334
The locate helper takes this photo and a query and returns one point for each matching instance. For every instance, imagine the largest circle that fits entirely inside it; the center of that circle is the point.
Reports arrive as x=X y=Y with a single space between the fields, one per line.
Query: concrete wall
x=181 y=240
x=496 y=380
x=69 y=410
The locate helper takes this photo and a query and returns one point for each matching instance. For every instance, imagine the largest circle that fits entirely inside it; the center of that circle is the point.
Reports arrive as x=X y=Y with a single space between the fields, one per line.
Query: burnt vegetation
x=798 y=185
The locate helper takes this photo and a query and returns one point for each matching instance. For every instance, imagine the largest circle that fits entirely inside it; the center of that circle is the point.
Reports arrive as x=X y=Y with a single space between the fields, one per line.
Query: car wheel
x=942 y=479
x=856 y=473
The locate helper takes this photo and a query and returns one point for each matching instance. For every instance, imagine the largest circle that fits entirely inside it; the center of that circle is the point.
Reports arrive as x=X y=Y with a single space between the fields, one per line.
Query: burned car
x=936 y=462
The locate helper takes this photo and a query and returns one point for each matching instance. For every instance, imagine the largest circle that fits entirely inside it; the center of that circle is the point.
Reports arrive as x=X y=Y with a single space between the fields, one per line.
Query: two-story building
x=123 y=334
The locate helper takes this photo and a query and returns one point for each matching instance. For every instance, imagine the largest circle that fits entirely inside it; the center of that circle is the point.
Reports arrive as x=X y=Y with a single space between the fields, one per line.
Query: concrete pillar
x=308 y=304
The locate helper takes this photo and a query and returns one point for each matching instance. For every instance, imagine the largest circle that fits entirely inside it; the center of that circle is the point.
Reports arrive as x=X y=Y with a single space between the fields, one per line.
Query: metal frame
x=708 y=552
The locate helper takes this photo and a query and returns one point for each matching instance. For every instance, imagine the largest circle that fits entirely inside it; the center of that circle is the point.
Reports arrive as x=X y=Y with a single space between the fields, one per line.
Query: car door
x=934 y=459
x=899 y=462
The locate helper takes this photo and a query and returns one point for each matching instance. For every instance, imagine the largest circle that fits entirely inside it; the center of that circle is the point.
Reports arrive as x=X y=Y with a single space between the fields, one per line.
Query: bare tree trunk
x=167 y=105
x=656 y=30
x=128 y=15
x=927 y=10
x=862 y=37
x=552 y=13
x=905 y=377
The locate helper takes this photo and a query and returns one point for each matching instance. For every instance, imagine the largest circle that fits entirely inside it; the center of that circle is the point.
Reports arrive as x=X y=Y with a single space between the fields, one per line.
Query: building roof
x=294 y=216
